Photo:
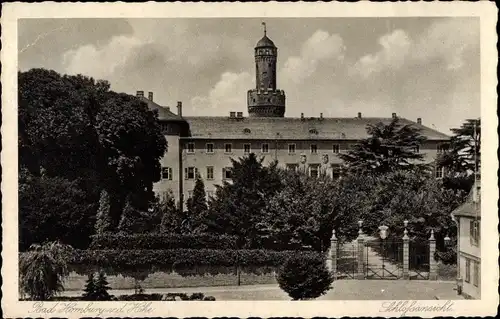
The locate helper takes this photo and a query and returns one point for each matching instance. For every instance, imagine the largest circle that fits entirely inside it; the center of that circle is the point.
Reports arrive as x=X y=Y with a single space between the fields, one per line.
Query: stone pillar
x=432 y=261
x=406 y=255
x=361 y=250
x=332 y=255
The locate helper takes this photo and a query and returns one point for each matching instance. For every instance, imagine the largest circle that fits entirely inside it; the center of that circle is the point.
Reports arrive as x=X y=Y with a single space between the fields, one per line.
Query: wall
x=219 y=159
x=471 y=252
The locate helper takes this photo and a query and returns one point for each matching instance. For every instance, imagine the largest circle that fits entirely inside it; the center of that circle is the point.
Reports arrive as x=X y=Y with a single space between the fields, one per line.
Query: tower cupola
x=265 y=100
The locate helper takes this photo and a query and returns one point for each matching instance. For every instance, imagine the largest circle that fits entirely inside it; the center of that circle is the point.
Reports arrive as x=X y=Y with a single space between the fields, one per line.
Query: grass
x=446 y=272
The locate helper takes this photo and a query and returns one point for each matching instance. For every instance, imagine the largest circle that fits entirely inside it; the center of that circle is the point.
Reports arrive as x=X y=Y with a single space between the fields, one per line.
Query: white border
x=485 y=10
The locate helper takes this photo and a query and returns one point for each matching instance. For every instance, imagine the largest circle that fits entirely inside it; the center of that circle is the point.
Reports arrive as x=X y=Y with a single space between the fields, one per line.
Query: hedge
x=139 y=263
x=119 y=241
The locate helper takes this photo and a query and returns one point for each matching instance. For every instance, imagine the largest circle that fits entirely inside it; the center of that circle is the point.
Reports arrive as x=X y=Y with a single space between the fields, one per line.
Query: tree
x=103 y=221
x=463 y=156
x=76 y=128
x=53 y=208
x=388 y=147
x=304 y=277
x=101 y=288
x=171 y=219
x=42 y=270
x=90 y=287
x=133 y=220
x=237 y=206
x=197 y=205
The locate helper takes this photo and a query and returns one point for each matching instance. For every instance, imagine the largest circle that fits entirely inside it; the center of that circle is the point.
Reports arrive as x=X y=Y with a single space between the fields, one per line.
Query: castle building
x=205 y=144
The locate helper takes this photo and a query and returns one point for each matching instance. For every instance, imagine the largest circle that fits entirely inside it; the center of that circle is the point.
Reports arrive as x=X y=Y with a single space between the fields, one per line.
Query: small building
x=468 y=219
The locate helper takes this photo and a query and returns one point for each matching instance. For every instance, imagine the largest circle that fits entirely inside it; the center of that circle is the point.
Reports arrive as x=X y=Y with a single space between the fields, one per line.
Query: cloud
x=395 y=48
x=321 y=46
x=100 y=62
x=227 y=95
x=445 y=42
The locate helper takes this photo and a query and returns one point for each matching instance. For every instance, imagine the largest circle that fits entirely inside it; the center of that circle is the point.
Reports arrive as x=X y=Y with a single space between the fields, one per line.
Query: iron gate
x=347 y=261
x=419 y=266
x=383 y=259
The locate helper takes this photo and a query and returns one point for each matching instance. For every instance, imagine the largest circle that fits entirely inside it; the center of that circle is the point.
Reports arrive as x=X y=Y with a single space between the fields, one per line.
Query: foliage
x=90 y=287
x=42 y=270
x=101 y=288
x=237 y=207
x=120 y=241
x=103 y=221
x=53 y=208
x=197 y=205
x=171 y=216
x=139 y=263
x=135 y=221
x=304 y=213
x=388 y=147
x=75 y=128
x=304 y=277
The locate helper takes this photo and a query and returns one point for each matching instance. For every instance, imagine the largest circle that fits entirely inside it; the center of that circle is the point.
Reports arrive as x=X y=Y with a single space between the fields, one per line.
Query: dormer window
x=246 y=131
x=313 y=131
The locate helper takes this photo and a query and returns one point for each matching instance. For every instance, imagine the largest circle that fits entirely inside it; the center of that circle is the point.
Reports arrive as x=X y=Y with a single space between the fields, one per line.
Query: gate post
x=406 y=255
x=361 y=250
x=332 y=255
x=432 y=261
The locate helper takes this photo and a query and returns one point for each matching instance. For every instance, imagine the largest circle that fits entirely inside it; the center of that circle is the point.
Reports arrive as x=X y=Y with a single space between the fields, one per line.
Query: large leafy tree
x=76 y=128
x=387 y=148
x=237 y=206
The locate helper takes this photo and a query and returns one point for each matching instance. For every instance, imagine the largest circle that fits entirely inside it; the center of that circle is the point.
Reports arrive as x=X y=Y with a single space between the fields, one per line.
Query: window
x=190 y=147
x=314 y=148
x=228 y=148
x=314 y=170
x=210 y=147
x=166 y=173
x=474 y=232
x=246 y=148
x=265 y=148
x=336 y=148
x=247 y=130
x=313 y=131
x=292 y=167
x=476 y=278
x=226 y=173
x=440 y=172
x=291 y=148
x=467 y=270
x=210 y=172
x=190 y=172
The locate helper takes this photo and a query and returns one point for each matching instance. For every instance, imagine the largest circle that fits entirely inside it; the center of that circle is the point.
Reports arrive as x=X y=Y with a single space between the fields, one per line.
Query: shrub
x=304 y=277
x=89 y=291
x=138 y=263
x=121 y=241
x=42 y=270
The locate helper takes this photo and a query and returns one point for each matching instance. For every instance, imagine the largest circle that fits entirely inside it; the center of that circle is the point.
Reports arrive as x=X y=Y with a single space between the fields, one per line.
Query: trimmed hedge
x=119 y=241
x=139 y=263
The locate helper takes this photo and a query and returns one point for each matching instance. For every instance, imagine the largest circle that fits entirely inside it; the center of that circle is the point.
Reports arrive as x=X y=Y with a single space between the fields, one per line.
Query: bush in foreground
x=304 y=277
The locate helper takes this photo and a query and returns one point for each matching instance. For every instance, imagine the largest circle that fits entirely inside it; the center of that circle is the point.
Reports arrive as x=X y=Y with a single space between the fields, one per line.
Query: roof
x=472 y=205
x=265 y=42
x=164 y=113
x=292 y=128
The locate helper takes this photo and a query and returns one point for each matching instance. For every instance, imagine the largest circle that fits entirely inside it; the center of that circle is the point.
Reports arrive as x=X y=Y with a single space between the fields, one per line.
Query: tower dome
x=266 y=100
x=265 y=42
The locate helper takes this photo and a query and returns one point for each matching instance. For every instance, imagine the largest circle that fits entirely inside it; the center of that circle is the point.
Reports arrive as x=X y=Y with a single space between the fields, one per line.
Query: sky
x=415 y=67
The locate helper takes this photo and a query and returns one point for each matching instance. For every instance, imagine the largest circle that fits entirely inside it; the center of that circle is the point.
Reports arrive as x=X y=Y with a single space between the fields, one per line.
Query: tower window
x=268 y=100
x=269 y=65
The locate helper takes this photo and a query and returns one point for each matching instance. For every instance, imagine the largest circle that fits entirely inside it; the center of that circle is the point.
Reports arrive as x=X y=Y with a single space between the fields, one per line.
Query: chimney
x=359 y=115
x=301 y=115
x=393 y=115
x=320 y=116
x=150 y=96
x=419 y=120
x=179 y=108
x=232 y=114
x=239 y=115
x=140 y=94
